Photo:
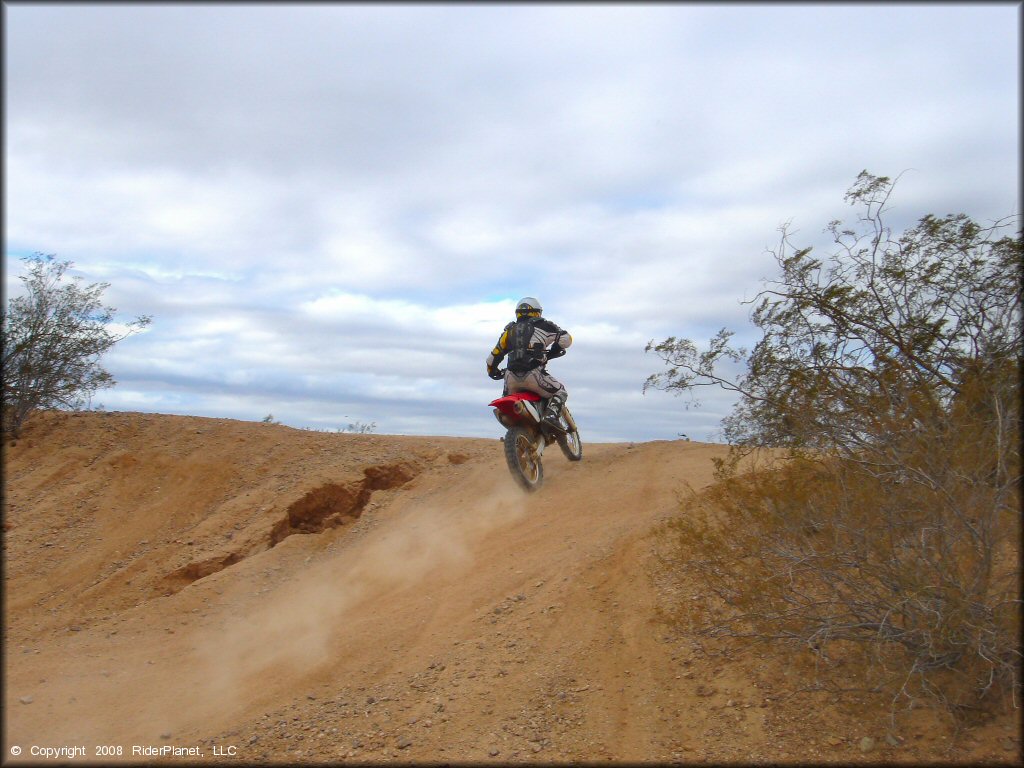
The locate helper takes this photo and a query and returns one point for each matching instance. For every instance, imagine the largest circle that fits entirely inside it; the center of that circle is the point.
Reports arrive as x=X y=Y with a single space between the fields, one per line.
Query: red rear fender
x=507 y=405
x=508 y=400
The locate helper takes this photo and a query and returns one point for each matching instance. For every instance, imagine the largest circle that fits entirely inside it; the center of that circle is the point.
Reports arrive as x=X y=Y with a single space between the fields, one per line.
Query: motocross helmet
x=528 y=307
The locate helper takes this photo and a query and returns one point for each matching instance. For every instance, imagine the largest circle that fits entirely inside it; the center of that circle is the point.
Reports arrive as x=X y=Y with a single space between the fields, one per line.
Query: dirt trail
x=272 y=594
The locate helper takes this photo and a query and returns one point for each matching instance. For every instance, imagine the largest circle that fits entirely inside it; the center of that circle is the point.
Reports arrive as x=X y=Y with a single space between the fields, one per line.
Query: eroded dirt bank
x=297 y=596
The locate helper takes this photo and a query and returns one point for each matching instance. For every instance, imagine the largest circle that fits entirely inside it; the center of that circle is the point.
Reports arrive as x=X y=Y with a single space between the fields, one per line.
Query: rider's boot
x=554 y=410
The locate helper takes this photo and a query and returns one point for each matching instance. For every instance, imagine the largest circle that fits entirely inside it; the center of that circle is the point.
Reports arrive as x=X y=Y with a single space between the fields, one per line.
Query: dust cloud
x=308 y=622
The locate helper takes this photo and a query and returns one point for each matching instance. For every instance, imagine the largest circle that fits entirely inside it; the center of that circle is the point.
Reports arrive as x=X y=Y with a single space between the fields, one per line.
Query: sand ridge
x=298 y=596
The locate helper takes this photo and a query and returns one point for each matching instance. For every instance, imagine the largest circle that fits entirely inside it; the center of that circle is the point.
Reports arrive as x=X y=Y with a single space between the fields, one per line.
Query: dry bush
x=919 y=571
x=888 y=377
x=53 y=338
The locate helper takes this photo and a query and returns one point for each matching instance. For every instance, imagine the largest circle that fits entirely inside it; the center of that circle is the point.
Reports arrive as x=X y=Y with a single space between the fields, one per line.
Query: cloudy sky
x=330 y=210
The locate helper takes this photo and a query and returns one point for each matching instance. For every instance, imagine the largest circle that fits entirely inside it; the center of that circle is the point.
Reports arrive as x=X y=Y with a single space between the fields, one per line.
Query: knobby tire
x=527 y=473
x=569 y=441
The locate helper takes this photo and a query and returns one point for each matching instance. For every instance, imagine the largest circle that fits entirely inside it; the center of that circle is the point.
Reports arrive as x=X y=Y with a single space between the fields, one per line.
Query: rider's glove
x=496 y=373
x=555 y=351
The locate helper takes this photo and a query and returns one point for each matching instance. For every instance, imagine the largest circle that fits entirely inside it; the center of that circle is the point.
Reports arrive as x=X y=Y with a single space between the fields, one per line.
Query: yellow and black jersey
x=529 y=342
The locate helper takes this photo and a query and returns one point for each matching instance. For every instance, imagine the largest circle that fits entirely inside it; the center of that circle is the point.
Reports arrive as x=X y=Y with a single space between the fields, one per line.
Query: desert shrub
x=360 y=428
x=889 y=377
x=53 y=338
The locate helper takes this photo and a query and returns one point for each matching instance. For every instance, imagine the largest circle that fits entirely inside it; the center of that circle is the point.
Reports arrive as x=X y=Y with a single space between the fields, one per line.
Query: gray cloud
x=329 y=209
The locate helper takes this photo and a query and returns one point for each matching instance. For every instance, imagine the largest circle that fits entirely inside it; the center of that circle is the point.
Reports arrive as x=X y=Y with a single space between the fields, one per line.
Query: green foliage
x=888 y=374
x=884 y=323
x=53 y=338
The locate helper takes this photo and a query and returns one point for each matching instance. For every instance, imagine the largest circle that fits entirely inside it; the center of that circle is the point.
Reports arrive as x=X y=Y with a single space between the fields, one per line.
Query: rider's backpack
x=525 y=354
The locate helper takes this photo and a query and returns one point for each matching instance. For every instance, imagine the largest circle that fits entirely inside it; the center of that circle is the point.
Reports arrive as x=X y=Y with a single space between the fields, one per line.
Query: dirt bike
x=521 y=414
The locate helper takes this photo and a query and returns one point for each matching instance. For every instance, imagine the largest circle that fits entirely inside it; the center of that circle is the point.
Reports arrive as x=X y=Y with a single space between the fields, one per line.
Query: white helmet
x=528 y=307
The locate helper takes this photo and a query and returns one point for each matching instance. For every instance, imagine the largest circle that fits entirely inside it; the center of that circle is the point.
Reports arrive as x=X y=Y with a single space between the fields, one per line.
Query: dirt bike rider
x=530 y=342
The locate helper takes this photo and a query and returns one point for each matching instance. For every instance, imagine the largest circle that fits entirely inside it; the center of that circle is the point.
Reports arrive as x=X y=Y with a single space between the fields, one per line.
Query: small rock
x=493 y=752
x=404 y=743
x=866 y=744
x=75 y=628
x=893 y=740
x=26 y=699
x=166 y=735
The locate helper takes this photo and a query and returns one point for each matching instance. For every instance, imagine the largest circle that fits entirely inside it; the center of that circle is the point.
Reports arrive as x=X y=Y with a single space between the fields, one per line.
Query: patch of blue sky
x=13 y=269
x=498 y=294
x=460 y=296
x=517 y=281
x=638 y=200
x=15 y=253
x=159 y=271
x=15 y=266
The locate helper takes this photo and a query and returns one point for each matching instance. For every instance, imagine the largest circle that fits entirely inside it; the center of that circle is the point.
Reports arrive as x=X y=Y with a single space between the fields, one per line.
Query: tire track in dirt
x=463 y=527
x=453 y=619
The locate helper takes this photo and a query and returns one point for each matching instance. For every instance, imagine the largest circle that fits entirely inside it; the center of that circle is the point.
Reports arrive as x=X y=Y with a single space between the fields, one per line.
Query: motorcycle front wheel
x=569 y=440
x=571 y=445
x=522 y=458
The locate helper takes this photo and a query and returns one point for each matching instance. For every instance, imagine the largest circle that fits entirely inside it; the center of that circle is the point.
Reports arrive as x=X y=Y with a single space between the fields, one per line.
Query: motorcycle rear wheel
x=522 y=458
